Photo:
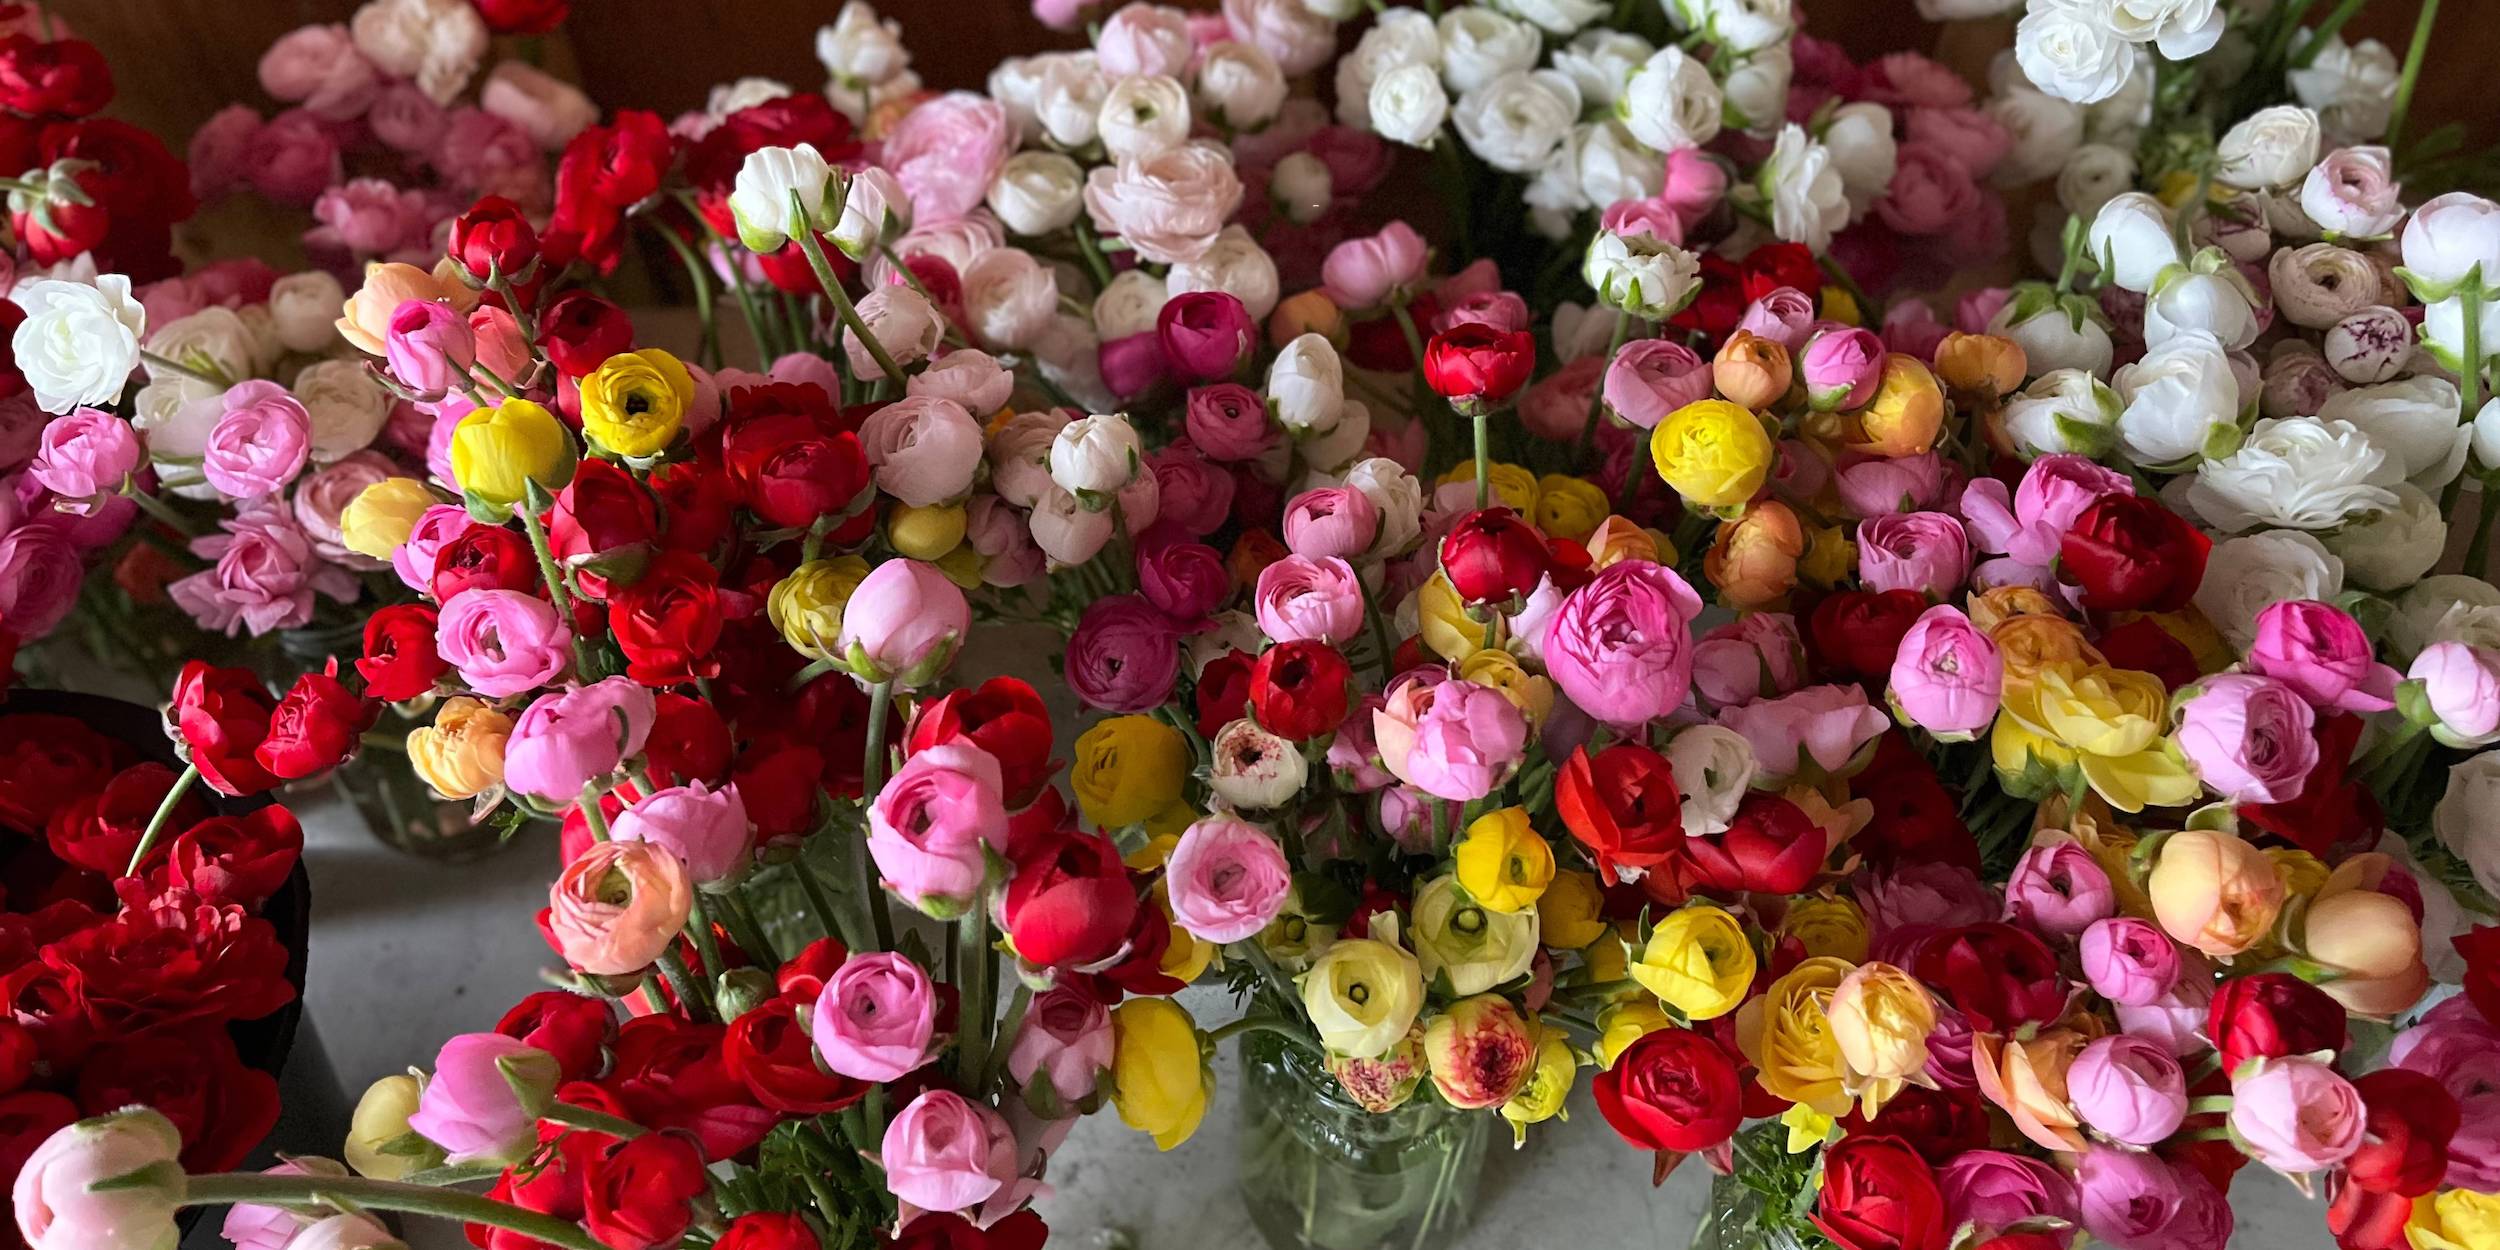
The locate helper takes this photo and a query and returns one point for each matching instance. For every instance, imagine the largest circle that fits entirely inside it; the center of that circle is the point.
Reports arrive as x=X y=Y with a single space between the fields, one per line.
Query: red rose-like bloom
x=1879 y=1195
x=1223 y=692
x=1492 y=555
x=669 y=1073
x=400 y=661
x=45 y=761
x=1673 y=1089
x=1916 y=819
x=1937 y=1123
x=1774 y=265
x=494 y=238
x=767 y=1050
x=170 y=959
x=2480 y=948
x=1473 y=362
x=2270 y=1015
x=1205 y=335
x=639 y=1195
x=2000 y=977
x=669 y=621
x=316 y=726
x=2132 y=554
x=2404 y=1148
x=579 y=331
x=602 y=526
x=2335 y=811
x=768 y=1230
x=523 y=17
x=945 y=1230
x=100 y=829
x=2143 y=645
x=1003 y=716
x=1772 y=847
x=689 y=741
x=67 y=77
x=780 y=782
x=1623 y=805
x=573 y=1028
x=803 y=977
x=1856 y=632
x=791 y=471
x=483 y=557
x=222 y=714
x=237 y=859
x=1070 y=902
x=1298 y=689
x=194 y=1077
x=1141 y=973
x=2362 y=1219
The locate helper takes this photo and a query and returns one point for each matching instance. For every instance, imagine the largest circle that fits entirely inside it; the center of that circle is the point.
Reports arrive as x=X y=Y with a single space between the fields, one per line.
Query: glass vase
x=1318 y=1172
x=404 y=813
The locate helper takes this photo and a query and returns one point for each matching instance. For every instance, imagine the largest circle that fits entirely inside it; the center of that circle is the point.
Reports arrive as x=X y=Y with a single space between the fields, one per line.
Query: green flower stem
x=1597 y=394
x=2215 y=1104
x=2414 y=54
x=980 y=995
x=557 y=594
x=449 y=1204
x=584 y=1118
x=2328 y=29
x=157 y=510
x=842 y=306
x=1008 y=1026
x=691 y=1000
x=1484 y=463
x=1092 y=252
x=164 y=812
x=758 y=328
x=872 y=780
x=512 y=302
x=709 y=348
x=1261 y=1024
x=1635 y=475
x=706 y=947
x=834 y=921
x=743 y=930
x=591 y=814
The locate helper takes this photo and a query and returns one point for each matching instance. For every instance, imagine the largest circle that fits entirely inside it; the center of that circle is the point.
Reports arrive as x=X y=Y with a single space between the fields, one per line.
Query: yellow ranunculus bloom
x=1906 y=413
x=1549 y=1083
x=1831 y=556
x=1474 y=947
x=2113 y=719
x=1998 y=604
x=1827 y=926
x=1127 y=769
x=1186 y=955
x=1514 y=486
x=1441 y=618
x=1159 y=1077
x=1531 y=693
x=1567 y=916
x=1295 y=935
x=461 y=753
x=1621 y=1025
x=1362 y=996
x=926 y=533
x=380 y=1118
x=1807 y=1127
x=1620 y=538
x=2455 y=1219
x=634 y=403
x=1697 y=961
x=1608 y=958
x=496 y=453
x=1786 y=1034
x=1569 y=507
x=379 y=519
x=962 y=566
x=2213 y=891
x=806 y=606
x=1502 y=862
x=1713 y=453
x=2029 y=642
x=1880 y=1019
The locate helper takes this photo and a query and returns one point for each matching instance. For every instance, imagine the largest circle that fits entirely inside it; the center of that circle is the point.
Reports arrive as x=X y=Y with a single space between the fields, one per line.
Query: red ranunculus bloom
x=602 y=527
x=483 y=557
x=1856 y=632
x=668 y=622
x=1003 y=716
x=222 y=714
x=2404 y=1149
x=2480 y=948
x=1623 y=805
x=66 y=77
x=1772 y=847
x=2269 y=1015
x=1938 y=1123
x=523 y=17
x=1998 y=976
x=1222 y=692
x=803 y=977
x=1879 y=1195
x=1205 y=335
x=945 y=1230
x=579 y=331
x=45 y=761
x=1070 y=902
x=173 y=958
x=767 y=1050
x=1774 y=265
x=780 y=782
x=639 y=1194
x=494 y=238
x=1473 y=363
x=194 y=1077
x=1916 y=819
x=2362 y=1219
x=791 y=471
x=1298 y=689
x=669 y=1073
x=2143 y=645
x=1492 y=555
x=768 y=1230
x=1673 y=1089
x=573 y=1028
x=1141 y=973
x=316 y=726
x=2133 y=554
x=689 y=741
x=400 y=661
x=100 y=829
x=237 y=859
x=2335 y=813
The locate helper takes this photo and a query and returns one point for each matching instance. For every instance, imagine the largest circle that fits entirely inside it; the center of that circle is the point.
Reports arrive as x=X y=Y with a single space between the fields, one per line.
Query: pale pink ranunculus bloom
x=1556 y=407
x=1651 y=378
x=57 y=1207
x=2249 y=737
x=264 y=574
x=1755 y=656
x=706 y=826
x=475 y=1106
x=1947 y=677
x=324 y=493
x=503 y=642
x=1065 y=1041
x=946 y=1153
x=1170 y=206
x=2295 y=1114
x=260 y=442
x=1928 y=552
x=428 y=346
x=1227 y=879
x=2130 y=1089
x=1369 y=272
x=906 y=618
x=607 y=933
x=1467 y=742
x=1331 y=521
x=875 y=1019
x=1873 y=486
x=292 y=158
x=1304 y=597
x=923 y=449
x=1821 y=726
x=928 y=825
x=946 y=151
x=319 y=68
x=1784 y=315
x=546 y=108
x=2462 y=682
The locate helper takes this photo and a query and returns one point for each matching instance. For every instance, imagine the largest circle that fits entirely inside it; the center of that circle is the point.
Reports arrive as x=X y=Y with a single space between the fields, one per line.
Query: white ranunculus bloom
x=1807 y=201
x=1479 y=45
x=1009 y=298
x=2444 y=607
x=2353 y=192
x=1515 y=121
x=78 y=343
x=2180 y=28
x=212 y=340
x=1237 y=266
x=1239 y=85
x=2486 y=438
x=2245 y=575
x=1713 y=767
x=2467 y=820
x=2269 y=149
x=760 y=199
x=1671 y=102
x=1037 y=192
x=2370 y=346
x=1581 y=330
x=2131 y=240
x=2414 y=421
x=1068 y=96
x=2352 y=86
x=1554 y=17
x=1301 y=186
x=1644 y=276
x=2065 y=334
x=1553 y=197
x=348 y=408
x=2392 y=550
x=860 y=48
x=2211 y=297
x=2447 y=240
x=2046 y=131
x=1306 y=385
x=304 y=310
x=1066 y=530
x=1339 y=444
x=875 y=209
x=2070 y=49
x=1095 y=456
x=1129 y=304
x=1612 y=166
x=1398 y=37
x=1756 y=90
x=2295 y=473
x=1600 y=62
x=1143 y=116
x=2063 y=410
x=1398 y=496
x=2093 y=176
x=2179 y=397
x=1745 y=25
x=435 y=43
x=2443 y=330
x=1407 y=105
x=1860 y=140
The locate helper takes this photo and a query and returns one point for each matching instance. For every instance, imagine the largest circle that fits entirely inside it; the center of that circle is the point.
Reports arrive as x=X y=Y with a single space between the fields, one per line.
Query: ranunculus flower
x=1997 y=975
x=1619 y=647
x=1809 y=730
x=1623 y=805
x=2294 y=1114
x=2134 y=554
x=946 y=1152
x=2320 y=651
x=618 y=906
x=503 y=642
x=2128 y=1088
x=483 y=1101
x=1671 y=1089
x=1465 y=744
x=1227 y=879
x=705 y=826
x=904 y=623
x=1069 y=901
x=2128 y=961
x=1995 y=1189
x=566 y=740
x=2248 y=737
x=2214 y=892
x=1124 y=655
x=875 y=1017
x=1946 y=675
x=1878 y=1194
x=2057 y=889
x=1298 y=597
x=932 y=824
x=2269 y=1015
x=53 y=1199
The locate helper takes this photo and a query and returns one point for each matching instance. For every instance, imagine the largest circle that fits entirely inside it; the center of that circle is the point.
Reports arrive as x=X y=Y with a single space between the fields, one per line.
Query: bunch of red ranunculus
x=105 y=188
x=121 y=984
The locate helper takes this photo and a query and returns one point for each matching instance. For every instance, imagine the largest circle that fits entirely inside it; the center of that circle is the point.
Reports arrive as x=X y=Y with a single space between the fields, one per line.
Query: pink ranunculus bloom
x=2128 y=961
x=1556 y=408
x=1873 y=486
x=1911 y=328
x=928 y=826
x=1065 y=1041
x=946 y=1152
x=1185 y=579
x=1650 y=218
x=567 y=739
x=1354 y=755
x=1914 y=900
x=2030 y=524
x=1371 y=272
x=429 y=346
x=260 y=442
x=1401 y=710
x=1973 y=138
x=1228 y=421
x=1124 y=656
x=264 y=576
x=1169 y=207
x=1620 y=647
x=1947 y=677
x=1756 y=656
x=2176 y=1019
x=54 y=1196
x=2057 y=889
x=1467 y=743
x=1928 y=552
x=876 y=1018
x=325 y=492
x=1502 y=310
x=907 y=619
x=705 y=826
x=1132 y=364
x=617 y=906
x=40 y=572
x=292 y=158
x=86 y=454
x=2136 y=1199
x=1841 y=367
x=407 y=120
x=1821 y=726
x=436 y=526
x=254 y=1226
x=1784 y=315
x=2296 y=1115
x=2129 y=1089
x=319 y=68
x=1694 y=185
x=504 y=642
x=370 y=217
x=923 y=449
x=1650 y=378
x=1191 y=492
x=1301 y=597
x=482 y=1103
x=1331 y=521
x=2249 y=737
x=220 y=153
x=1995 y=1189
x=1227 y=879
x=946 y=151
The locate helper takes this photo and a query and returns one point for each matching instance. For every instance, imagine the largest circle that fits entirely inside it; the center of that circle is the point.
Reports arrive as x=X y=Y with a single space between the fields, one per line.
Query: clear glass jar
x=402 y=811
x=1319 y=1172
